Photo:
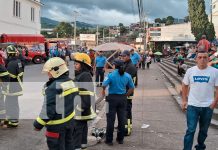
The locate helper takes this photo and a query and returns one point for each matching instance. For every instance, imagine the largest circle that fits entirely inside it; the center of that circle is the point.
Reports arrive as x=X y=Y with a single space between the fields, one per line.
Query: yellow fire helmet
x=83 y=58
x=56 y=66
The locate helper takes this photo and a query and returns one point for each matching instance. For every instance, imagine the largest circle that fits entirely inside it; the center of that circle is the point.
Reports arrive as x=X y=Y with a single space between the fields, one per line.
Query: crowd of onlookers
x=181 y=54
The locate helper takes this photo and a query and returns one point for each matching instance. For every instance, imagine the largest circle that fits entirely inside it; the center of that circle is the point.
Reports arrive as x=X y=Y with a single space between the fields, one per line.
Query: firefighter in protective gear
x=15 y=88
x=132 y=70
x=58 y=108
x=4 y=79
x=85 y=108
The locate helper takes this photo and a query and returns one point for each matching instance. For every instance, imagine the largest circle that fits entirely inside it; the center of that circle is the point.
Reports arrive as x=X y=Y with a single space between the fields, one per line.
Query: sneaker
x=108 y=143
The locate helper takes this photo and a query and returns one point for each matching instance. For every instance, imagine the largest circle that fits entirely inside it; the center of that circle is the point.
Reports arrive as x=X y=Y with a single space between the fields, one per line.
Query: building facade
x=20 y=16
x=171 y=33
x=215 y=15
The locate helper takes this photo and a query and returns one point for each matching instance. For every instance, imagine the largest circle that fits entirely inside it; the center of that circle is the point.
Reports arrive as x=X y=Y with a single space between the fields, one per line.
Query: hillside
x=49 y=23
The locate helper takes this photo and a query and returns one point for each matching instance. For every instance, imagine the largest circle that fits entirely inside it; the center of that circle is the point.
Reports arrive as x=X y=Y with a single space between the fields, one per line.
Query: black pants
x=59 y=137
x=181 y=71
x=136 y=78
x=80 y=134
x=148 y=65
x=143 y=65
x=116 y=105
x=128 y=126
x=99 y=73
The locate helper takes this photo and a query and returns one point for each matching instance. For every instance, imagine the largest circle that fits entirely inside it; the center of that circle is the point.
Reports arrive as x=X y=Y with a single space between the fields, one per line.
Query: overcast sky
x=113 y=12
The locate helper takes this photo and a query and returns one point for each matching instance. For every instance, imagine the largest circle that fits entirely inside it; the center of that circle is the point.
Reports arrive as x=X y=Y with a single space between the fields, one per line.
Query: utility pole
x=75 y=15
x=97 y=36
x=211 y=11
x=103 y=35
x=109 y=35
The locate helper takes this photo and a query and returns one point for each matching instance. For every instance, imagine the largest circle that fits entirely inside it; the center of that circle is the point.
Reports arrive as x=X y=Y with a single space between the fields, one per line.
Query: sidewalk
x=154 y=106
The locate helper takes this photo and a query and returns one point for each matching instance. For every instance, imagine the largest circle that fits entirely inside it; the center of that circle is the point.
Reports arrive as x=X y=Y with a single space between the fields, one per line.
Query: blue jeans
x=194 y=115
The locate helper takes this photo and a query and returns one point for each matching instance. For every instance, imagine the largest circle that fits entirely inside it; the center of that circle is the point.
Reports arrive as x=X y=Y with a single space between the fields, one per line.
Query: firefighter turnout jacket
x=16 y=70
x=85 y=108
x=58 y=107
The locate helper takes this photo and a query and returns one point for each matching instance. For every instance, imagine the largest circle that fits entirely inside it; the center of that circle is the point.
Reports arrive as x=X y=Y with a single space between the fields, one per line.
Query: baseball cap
x=125 y=53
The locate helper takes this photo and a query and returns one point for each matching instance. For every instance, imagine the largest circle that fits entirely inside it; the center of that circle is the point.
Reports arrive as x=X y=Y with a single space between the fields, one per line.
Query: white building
x=215 y=15
x=176 y=33
x=20 y=16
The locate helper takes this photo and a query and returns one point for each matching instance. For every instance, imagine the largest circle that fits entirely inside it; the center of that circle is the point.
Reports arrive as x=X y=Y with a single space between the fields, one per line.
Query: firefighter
x=15 y=88
x=118 y=80
x=132 y=70
x=58 y=108
x=4 y=79
x=85 y=109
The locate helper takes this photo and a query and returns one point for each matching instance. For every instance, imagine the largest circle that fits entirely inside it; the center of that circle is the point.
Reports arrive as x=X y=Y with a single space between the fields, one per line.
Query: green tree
x=123 y=29
x=157 y=20
x=169 y=20
x=64 y=29
x=164 y=20
x=186 y=19
x=199 y=20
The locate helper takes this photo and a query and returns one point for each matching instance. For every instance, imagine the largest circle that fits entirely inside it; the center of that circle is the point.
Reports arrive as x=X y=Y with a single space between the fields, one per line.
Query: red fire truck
x=33 y=46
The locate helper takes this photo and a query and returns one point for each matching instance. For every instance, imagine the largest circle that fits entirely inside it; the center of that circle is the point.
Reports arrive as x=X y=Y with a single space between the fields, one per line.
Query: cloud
x=112 y=12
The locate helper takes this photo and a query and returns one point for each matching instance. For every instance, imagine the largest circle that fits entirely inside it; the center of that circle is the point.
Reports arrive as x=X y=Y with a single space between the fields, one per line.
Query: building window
x=214 y=6
x=16 y=8
x=32 y=14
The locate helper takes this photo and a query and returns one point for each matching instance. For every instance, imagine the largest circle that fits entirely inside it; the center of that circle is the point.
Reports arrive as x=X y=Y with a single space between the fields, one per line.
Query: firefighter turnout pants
x=12 y=110
x=116 y=105
x=60 y=137
x=80 y=134
x=2 y=107
x=128 y=125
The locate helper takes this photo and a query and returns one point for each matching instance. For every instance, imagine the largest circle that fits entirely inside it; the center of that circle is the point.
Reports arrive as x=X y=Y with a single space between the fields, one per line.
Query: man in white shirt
x=198 y=99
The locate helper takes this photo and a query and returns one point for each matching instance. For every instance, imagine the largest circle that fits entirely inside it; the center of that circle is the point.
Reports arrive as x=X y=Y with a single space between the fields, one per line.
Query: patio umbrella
x=158 y=53
x=113 y=46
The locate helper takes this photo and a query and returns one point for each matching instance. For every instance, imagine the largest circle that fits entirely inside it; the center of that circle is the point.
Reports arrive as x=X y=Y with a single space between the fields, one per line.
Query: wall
x=23 y=25
x=178 y=32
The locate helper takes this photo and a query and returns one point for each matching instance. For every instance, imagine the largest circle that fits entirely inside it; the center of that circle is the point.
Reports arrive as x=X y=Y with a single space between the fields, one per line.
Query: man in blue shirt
x=136 y=59
x=117 y=81
x=100 y=62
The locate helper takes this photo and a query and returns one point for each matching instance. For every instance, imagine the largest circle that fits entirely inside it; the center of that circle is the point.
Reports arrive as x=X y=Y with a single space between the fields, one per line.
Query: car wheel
x=37 y=60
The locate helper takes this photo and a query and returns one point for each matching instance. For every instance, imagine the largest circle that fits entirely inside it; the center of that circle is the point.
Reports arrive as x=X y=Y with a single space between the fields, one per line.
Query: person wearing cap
x=117 y=81
x=136 y=59
x=85 y=107
x=204 y=42
x=132 y=70
x=100 y=62
x=57 y=111
x=15 y=69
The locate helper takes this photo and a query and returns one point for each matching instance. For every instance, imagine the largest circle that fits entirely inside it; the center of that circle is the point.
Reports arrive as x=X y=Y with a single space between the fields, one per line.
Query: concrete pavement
x=152 y=105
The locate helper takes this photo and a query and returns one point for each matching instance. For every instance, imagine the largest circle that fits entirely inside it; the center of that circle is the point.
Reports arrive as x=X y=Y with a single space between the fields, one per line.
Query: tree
x=157 y=20
x=123 y=29
x=169 y=20
x=199 y=20
x=186 y=19
x=164 y=20
x=64 y=29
